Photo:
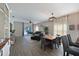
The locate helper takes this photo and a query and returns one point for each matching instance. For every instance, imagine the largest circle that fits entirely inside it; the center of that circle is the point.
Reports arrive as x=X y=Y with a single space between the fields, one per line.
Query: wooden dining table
x=2 y=44
x=49 y=39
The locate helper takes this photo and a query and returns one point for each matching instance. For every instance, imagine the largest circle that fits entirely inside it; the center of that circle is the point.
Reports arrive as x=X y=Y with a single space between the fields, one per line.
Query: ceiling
x=38 y=12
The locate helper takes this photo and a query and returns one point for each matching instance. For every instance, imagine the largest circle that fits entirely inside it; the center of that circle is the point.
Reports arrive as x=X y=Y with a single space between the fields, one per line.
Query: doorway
x=27 y=29
x=19 y=28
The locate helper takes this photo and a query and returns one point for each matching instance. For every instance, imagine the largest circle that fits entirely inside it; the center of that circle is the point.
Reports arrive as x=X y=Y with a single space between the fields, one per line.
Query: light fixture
x=30 y=21
x=52 y=18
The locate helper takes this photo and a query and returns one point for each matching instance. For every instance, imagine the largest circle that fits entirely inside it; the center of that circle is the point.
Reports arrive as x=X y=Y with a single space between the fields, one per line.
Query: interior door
x=19 y=28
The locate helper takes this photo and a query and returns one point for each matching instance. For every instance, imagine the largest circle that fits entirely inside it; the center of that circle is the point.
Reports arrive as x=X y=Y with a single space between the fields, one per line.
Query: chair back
x=65 y=42
x=69 y=38
x=42 y=40
x=58 y=39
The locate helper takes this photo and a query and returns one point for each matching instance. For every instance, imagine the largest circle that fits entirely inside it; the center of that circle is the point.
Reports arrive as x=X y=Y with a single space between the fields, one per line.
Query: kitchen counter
x=2 y=44
x=5 y=47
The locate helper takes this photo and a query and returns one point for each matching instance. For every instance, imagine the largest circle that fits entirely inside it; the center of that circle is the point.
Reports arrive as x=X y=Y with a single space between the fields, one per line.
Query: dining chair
x=57 y=42
x=69 y=49
x=70 y=41
x=45 y=43
x=58 y=39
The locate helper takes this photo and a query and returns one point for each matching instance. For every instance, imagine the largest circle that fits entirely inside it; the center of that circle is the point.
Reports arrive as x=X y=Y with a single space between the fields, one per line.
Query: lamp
x=51 y=19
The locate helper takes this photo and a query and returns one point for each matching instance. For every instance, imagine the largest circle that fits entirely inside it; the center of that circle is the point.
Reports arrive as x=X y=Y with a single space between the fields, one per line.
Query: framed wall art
x=71 y=27
x=77 y=26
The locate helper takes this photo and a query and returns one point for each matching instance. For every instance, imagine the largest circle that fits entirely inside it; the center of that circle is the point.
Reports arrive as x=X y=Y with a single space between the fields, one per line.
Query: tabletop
x=50 y=37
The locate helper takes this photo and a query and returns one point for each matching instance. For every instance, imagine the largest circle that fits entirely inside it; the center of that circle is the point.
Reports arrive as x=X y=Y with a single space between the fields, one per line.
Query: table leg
x=1 y=51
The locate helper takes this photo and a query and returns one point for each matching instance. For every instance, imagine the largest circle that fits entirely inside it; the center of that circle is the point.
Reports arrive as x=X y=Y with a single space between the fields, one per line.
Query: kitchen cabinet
x=5 y=28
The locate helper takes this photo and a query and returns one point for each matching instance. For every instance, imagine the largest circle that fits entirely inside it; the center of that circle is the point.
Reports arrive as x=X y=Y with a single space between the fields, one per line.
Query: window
x=65 y=28
x=60 y=29
x=55 y=29
x=37 y=28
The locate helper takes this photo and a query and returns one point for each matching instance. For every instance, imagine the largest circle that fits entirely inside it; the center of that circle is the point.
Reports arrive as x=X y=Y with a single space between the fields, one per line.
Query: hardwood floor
x=24 y=46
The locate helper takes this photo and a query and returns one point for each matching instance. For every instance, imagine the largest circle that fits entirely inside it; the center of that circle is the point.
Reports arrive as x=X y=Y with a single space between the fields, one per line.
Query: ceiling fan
x=52 y=18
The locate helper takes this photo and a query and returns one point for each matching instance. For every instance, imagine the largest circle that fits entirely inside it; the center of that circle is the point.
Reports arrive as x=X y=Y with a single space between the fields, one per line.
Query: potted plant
x=46 y=30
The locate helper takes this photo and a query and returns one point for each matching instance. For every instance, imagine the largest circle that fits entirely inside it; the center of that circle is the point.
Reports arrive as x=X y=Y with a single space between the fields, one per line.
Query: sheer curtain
x=60 y=26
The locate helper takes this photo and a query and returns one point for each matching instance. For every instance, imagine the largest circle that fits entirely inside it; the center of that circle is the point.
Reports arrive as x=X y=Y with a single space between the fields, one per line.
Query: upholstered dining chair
x=45 y=43
x=58 y=41
x=69 y=49
x=70 y=41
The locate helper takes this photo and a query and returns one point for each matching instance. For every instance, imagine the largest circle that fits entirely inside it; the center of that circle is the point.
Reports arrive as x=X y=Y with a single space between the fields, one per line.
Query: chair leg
x=44 y=47
x=64 y=53
x=41 y=46
x=55 y=45
x=1 y=51
x=51 y=45
x=58 y=45
x=67 y=54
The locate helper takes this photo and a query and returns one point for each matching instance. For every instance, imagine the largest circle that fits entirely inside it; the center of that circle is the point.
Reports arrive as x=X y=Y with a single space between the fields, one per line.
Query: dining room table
x=49 y=39
x=2 y=44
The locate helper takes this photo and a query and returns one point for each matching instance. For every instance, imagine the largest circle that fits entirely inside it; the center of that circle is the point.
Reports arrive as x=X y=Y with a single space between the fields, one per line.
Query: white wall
x=48 y=24
x=73 y=19
x=2 y=22
x=18 y=20
x=18 y=26
x=70 y=19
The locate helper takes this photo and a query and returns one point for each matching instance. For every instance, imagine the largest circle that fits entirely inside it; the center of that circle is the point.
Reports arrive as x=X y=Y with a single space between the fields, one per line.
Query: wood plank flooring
x=24 y=46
